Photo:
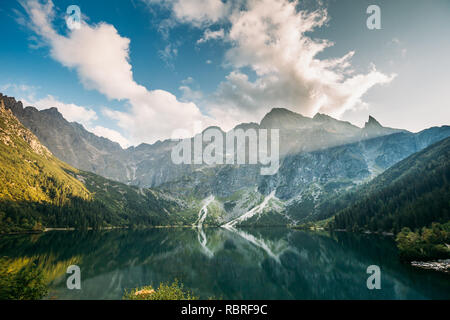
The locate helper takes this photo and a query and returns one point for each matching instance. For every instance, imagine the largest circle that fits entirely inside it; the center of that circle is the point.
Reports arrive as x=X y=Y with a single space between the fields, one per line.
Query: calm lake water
x=264 y=263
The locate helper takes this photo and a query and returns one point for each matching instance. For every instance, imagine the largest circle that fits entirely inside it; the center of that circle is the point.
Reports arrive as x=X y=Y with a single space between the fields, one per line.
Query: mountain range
x=321 y=159
x=39 y=190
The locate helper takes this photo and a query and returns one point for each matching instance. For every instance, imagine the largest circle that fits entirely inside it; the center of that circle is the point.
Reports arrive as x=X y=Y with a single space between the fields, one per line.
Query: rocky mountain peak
x=246 y=126
x=283 y=118
x=53 y=112
x=13 y=133
x=372 y=122
x=280 y=113
x=322 y=117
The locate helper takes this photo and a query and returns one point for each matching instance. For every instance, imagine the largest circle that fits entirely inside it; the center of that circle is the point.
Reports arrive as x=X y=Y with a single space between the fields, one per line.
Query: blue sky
x=137 y=71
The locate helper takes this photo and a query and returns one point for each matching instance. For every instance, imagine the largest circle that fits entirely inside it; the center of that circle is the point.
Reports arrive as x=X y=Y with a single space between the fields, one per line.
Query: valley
x=323 y=161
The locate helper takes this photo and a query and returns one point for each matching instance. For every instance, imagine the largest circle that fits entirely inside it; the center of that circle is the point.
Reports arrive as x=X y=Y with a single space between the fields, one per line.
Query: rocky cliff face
x=70 y=142
x=11 y=128
x=29 y=172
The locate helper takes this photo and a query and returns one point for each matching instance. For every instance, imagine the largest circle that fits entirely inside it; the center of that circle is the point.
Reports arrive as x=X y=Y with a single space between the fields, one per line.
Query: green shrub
x=165 y=291
x=426 y=244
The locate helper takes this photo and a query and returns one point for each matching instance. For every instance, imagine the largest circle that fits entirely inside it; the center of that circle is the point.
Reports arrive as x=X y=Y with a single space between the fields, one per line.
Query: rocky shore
x=439 y=265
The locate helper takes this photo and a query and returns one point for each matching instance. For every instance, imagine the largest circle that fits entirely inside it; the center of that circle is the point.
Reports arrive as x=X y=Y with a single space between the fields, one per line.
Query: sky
x=147 y=70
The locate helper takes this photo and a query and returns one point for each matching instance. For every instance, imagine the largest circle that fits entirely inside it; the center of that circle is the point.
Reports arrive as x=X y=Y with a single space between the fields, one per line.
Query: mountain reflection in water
x=227 y=263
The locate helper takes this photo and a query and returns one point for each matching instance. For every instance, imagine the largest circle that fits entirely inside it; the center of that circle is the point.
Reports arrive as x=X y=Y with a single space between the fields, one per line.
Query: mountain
x=38 y=190
x=307 y=179
x=149 y=165
x=29 y=171
x=321 y=158
x=413 y=193
x=70 y=142
x=303 y=185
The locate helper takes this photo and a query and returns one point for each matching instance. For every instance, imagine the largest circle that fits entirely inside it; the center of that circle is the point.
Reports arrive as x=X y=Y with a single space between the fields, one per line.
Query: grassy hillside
x=37 y=190
x=29 y=172
x=413 y=193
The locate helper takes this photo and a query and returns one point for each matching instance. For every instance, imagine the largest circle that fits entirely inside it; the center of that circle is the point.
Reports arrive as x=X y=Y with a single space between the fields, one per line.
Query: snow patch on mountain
x=256 y=210
x=204 y=210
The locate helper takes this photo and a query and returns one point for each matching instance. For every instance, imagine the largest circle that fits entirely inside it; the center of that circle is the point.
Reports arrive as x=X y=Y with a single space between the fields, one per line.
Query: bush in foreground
x=165 y=291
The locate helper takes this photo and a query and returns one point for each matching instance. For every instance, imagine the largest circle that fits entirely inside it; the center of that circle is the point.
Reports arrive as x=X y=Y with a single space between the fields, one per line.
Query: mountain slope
x=37 y=190
x=70 y=142
x=413 y=193
x=320 y=158
x=29 y=172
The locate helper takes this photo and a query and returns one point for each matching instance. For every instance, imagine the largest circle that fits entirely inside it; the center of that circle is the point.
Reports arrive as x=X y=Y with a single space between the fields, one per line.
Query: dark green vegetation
x=21 y=279
x=165 y=291
x=37 y=190
x=413 y=193
x=426 y=244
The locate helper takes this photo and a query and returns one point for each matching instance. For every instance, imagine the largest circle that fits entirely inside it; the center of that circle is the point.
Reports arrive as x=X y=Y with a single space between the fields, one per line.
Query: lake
x=258 y=263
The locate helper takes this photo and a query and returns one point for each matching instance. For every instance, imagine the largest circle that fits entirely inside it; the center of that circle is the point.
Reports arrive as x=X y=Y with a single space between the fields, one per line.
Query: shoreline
x=439 y=265
x=113 y=228
x=92 y=229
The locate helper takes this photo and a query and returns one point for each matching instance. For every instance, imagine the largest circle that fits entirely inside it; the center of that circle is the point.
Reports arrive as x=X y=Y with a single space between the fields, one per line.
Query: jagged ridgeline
x=38 y=190
x=321 y=159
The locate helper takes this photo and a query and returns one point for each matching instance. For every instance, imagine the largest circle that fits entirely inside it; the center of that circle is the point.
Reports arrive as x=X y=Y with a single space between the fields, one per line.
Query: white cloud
x=100 y=57
x=169 y=53
x=190 y=94
x=70 y=111
x=199 y=12
x=269 y=37
x=211 y=35
x=196 y=12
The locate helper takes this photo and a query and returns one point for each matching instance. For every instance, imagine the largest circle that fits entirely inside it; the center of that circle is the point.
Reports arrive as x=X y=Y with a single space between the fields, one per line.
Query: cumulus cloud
x=70 y=111
x=271 y=37
x=189 y=94
x=100 y=57
x=211 y=35
x=198 y=12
